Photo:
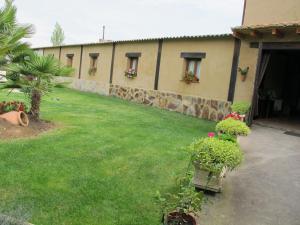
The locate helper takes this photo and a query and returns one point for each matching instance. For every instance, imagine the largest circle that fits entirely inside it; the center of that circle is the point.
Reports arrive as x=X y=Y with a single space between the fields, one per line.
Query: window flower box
x=131 y=74
x=190 y=78
x=92 y=71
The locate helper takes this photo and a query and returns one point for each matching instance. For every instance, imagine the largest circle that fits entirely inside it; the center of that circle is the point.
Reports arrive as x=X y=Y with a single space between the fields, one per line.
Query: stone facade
x=190 y=105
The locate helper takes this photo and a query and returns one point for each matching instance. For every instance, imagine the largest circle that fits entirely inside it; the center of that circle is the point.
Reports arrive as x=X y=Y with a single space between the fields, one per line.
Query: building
x=201 y=75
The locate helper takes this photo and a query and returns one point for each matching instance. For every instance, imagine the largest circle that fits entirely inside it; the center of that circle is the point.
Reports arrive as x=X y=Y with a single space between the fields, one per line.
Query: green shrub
x=213 y=154
x=13 y=106
x=227 y=137
x=241 y=108
x=233 y=127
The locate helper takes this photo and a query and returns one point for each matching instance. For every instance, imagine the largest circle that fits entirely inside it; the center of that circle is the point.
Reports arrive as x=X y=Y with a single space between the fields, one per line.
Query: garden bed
x=9 y=131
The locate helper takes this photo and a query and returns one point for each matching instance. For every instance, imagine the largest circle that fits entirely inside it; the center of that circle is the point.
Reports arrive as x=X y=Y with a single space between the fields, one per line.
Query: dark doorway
x=279 y=90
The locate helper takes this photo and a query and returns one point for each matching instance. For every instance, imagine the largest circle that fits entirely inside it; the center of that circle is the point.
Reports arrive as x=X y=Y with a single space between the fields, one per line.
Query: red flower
x=233 y=115
x=211 y=134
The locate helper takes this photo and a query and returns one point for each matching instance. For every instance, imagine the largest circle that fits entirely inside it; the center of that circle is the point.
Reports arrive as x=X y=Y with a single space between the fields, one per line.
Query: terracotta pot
x=16 y=118
x=243 y=77
x=188 y=219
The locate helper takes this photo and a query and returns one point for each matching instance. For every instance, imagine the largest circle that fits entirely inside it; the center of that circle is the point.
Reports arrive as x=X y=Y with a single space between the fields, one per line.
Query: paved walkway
x=265 y=190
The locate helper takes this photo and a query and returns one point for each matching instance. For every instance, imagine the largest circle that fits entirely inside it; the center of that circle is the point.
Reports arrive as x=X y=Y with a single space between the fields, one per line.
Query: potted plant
x=131 y=73
x=212 y=158
x=241 y=108
x=182 y=207
x=12 y=106
x=14 y=113
x=243 y=72
x=232 y=127
x=189 y=77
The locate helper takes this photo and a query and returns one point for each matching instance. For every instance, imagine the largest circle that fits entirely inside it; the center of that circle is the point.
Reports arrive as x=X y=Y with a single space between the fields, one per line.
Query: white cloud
x=126 y=19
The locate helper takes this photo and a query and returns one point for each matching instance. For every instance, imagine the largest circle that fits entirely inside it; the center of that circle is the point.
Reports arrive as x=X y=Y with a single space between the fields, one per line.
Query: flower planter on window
x=190 y=78
x=131 y=74
x=192 y=71
x=92 y=71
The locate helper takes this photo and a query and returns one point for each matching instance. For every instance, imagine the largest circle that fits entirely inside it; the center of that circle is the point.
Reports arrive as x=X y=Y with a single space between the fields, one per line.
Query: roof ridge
x=145 y=39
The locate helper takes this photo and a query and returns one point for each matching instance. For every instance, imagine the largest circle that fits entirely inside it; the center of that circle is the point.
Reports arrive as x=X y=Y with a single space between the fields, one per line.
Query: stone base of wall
x=190 y=105
x=84 y=85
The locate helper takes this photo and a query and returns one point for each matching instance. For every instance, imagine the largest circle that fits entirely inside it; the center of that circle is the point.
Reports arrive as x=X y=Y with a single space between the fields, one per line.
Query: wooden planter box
x=204 y=181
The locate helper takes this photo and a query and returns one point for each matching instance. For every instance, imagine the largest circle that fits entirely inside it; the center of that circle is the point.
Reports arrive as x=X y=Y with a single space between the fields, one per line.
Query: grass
x=102 y=166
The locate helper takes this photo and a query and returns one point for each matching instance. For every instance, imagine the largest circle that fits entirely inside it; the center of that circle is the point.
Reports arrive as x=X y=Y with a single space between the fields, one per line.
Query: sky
x=82 y=20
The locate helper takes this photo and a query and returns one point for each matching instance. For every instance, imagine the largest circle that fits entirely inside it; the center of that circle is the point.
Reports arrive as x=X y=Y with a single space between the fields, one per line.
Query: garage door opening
x=279 y=90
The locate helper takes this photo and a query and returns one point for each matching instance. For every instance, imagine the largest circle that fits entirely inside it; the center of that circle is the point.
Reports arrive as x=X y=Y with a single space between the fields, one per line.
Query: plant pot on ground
x=232 y=127
x=242 y=109
x=212 y=158
x=176 y=218
x=182 y=206
x=16 y=118
x=207 y=180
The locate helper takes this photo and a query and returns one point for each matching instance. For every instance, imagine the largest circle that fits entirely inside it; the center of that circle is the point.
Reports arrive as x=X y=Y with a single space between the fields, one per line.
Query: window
x=132 y=65
x=193 y=68
x=70 y=60
x=93 y=63
x=39 y=52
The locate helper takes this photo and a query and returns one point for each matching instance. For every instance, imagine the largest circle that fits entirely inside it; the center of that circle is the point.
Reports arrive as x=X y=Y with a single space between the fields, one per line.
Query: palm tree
x=36 y=74
x=25 y=68
x=11 y=34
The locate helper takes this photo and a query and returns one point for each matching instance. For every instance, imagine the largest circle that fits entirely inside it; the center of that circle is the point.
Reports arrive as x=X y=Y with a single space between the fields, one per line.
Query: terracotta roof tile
x=268 y=26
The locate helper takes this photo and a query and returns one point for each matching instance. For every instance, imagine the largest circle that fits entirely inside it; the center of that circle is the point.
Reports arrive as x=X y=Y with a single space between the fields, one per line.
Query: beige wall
x=102 y=74
x=248 y=57
x=215 y=68
x=52 y=51
x=103 y=63
x=76 y=58
x=271 y=11
x=146 y=64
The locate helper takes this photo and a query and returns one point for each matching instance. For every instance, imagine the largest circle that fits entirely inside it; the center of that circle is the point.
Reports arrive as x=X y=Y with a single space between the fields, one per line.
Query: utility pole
x=103 y=32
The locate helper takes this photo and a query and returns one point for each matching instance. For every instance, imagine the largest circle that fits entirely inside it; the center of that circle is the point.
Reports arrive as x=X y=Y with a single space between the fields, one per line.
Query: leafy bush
x=241 y=108
x=227 y=137
x=213 y=154
x=13 y=106
x=233 y=127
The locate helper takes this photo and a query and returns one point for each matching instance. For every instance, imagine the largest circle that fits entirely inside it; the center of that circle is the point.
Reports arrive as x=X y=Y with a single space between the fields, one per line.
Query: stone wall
x=190 y=105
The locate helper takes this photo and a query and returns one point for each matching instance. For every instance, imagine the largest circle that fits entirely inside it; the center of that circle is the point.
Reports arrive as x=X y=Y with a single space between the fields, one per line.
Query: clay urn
x=16 y=118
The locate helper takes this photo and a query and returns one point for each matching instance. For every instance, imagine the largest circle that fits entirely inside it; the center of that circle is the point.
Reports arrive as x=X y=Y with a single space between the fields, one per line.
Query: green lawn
x=102 y=166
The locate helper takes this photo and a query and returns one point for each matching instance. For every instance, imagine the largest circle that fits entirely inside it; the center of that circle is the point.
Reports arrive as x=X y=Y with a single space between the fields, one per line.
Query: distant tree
x=58 y=35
